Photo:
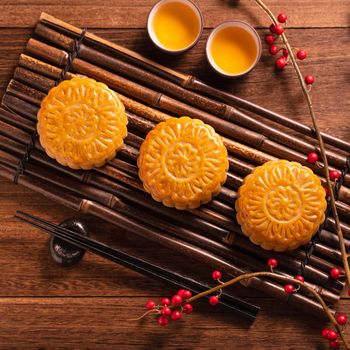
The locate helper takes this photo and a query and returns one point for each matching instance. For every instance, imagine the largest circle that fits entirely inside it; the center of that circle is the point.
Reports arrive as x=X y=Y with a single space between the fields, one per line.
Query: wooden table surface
x=88 y=306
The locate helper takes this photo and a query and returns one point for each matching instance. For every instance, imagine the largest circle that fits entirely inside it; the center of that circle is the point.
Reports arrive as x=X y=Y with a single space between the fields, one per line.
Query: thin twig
x=276 y=276
x=152 y=311
x=345 y=256
x=307 y=96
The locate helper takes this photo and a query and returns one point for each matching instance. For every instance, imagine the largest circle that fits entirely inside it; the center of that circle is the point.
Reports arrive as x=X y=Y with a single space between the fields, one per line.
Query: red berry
x=325 y=332
x=289 y=288
x=334 y=175
x=282 y=18
x=285 y=52
x=216 y=275
x=272 y=262
x=272 y=29
x=186 y=294
x=281 y=62
x=300 y=279
x=332 y=335
x=279 y=29
x=326 y=189
x=166 y=311
x=312 y=157
x=334 y=273
x=163 y=320
x=176 y=300
x=176 y=315
x=269 y=39
x=166 y=301
x=342 y=319
x=301 y=54
x=309 y=79
x=150 y=304
x=273 y=50
x=188 y=308
x=335 y=344
x=180 y=292
x=213 y=300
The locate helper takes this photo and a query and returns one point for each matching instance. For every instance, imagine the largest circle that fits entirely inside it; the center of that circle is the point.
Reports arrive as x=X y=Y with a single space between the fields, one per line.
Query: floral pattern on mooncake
x=183 y=163
x=82 y=123
x=281 y=205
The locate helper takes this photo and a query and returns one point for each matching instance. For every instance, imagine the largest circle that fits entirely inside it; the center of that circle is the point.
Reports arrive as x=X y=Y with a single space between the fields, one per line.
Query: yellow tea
x=233 y=50
x=176 y=25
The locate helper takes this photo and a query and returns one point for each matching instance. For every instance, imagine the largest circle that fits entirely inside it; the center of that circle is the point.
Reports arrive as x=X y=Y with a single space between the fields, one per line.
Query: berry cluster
x=178 y=305
x=336 y=273
x=331 y=334
x=341 y=318
x=214 y=299
x=173 y=308
x=334 y=175
x=276 y=31
x=288 y=288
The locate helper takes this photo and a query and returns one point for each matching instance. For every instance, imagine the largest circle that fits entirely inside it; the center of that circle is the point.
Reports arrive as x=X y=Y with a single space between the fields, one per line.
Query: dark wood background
x=88 y=306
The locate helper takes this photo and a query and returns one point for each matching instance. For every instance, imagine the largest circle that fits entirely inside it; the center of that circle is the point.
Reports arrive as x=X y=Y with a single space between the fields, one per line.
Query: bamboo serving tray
x=153 y=93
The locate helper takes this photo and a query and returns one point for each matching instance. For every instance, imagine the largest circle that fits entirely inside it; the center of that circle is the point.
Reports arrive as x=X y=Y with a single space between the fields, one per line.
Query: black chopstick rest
x=64 y=253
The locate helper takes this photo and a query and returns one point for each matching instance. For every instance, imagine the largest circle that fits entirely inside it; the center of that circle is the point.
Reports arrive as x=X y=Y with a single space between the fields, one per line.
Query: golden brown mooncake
x=281 y=205
x=82 y=123
x=183 y=163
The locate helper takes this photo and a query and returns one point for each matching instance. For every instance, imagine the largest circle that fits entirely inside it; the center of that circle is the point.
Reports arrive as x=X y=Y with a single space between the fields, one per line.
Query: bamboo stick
x=188 y=81
x=220 y=109
x=90 y=207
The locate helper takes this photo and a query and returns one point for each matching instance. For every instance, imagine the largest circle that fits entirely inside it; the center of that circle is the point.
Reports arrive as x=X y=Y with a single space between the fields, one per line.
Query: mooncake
x=82 y=123
x=183 y=163
x=281 y=205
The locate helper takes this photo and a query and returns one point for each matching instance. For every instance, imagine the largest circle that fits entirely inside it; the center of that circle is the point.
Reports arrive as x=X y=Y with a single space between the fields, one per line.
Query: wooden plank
x=102 y=296
x=104 y=323
x=133 y=14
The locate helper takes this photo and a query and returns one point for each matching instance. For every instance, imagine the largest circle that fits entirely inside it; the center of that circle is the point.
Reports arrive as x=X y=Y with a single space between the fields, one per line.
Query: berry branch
x=181 y=302
x=277 y=28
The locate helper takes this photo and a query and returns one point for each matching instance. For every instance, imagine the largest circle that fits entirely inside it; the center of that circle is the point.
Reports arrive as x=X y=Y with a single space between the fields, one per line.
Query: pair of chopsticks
x=144 y=267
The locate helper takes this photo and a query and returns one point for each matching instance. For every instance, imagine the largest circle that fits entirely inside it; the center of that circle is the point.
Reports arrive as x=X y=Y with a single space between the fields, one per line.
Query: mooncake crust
x=281 y=205
x=82 y=123
x=183 y=163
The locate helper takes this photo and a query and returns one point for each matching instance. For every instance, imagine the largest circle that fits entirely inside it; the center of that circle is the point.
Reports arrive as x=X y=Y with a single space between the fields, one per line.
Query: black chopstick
x=247 y=309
